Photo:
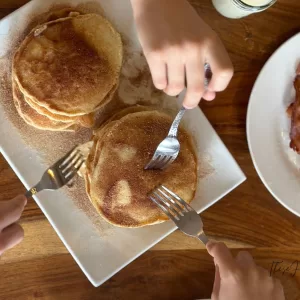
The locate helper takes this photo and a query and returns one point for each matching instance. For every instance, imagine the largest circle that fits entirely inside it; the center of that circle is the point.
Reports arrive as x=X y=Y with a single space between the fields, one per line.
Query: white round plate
x=268 y=126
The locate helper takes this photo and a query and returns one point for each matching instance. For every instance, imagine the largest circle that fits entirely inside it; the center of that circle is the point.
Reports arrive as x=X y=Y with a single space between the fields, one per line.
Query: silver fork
x=60 y=173
x=168 y=150
x=180 y=212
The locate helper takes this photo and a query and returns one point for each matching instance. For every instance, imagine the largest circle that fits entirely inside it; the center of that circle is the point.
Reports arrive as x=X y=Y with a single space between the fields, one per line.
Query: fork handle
x=30 y=193
x=34 y=190
x=176 y=122
x=203 y=238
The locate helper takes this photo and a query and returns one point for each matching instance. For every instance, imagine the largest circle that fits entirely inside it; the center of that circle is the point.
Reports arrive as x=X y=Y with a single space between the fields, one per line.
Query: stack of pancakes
x=65 y=70
x=116 y=181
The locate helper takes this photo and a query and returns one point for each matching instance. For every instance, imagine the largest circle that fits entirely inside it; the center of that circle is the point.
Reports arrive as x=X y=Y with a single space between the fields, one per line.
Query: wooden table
x=178 y=267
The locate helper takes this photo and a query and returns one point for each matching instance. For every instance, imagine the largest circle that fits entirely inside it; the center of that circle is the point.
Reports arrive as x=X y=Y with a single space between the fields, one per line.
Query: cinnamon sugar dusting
x=135 y=87
x=72 y=60
x=60 y=66
x=127 y=180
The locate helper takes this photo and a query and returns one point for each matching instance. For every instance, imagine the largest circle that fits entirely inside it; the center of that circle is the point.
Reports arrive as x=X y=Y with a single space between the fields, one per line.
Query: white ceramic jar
x=236 y=9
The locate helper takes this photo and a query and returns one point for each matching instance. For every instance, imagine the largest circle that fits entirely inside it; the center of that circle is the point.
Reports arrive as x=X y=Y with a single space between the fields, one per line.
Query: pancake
x=85 y=120
x=93 y=157
x=116 y=181
x=43 y=111
x=70 y=66
x=31 y=117
x=132 y=109
x=101 y=131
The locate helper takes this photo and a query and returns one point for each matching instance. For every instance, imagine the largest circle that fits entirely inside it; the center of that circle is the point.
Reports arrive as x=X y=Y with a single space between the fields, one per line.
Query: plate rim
x=250 y=104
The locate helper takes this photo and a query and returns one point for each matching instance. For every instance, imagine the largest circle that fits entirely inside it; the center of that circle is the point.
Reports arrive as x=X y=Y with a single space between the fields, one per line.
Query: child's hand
x=177 y=43
x=240 y=278
x=10 y=212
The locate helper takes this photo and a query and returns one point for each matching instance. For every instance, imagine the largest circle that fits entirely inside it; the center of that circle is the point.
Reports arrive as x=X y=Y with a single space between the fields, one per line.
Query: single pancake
x=70 y=66
x=116 y=180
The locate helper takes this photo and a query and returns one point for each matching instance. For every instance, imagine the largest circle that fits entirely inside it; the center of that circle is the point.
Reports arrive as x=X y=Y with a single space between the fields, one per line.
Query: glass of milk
x=236 y=9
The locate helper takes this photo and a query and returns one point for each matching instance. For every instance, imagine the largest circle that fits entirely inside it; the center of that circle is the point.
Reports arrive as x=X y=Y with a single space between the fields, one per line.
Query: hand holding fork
x=168 y=150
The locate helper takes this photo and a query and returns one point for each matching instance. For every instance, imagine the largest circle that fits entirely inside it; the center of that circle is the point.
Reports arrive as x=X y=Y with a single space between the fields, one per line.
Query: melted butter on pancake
x=125 y=152
x=120 y=193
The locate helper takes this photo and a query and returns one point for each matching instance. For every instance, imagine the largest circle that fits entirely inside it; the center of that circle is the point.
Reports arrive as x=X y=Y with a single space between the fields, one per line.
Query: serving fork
x=168 y=150
x=180 y=212
x=60 y=173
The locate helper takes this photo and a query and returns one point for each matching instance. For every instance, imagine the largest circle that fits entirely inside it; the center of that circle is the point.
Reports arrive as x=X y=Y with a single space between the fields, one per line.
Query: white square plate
x=101 y=256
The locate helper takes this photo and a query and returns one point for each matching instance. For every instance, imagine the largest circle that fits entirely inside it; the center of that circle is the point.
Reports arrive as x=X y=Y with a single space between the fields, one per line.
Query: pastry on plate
x=116 y=181
x=67 y=69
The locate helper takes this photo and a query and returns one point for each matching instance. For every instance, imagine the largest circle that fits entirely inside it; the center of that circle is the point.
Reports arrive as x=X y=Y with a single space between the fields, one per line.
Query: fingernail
x=189 y=106
x=160 y=87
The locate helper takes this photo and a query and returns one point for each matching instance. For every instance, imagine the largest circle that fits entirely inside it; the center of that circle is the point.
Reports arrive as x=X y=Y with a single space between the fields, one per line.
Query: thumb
x=222 y=257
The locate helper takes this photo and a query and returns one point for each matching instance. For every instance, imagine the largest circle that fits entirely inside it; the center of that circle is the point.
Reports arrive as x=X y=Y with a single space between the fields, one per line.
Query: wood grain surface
x=178 y=267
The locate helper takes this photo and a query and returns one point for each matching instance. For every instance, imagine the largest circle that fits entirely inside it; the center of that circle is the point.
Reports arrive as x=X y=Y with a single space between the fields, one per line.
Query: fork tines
x=71 y=162
x=160 y=161
x=172 y=205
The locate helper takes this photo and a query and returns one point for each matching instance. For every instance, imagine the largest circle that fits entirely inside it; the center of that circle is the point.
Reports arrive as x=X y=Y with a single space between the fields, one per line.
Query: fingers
x=222 y=257
x=221 y=67
x=169 y=74
x=195 y=82
x=158 y=69
x=176 y=77
x=10 y=237
x=10 y=211
x=245 y=260
x=209 y=96
x=170 y=69
x=279 y=291
x=263 y=273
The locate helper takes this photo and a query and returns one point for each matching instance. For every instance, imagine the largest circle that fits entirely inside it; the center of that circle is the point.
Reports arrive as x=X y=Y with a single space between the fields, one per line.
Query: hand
x=177 y=43
x=240 y=278
x=10 y=212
